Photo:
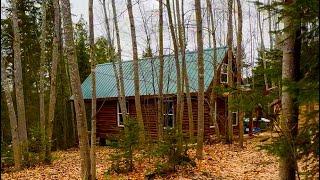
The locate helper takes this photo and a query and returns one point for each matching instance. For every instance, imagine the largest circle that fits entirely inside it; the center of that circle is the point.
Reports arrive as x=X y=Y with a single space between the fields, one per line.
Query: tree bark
x=77 y=93
x=12 y=116
x=176 y=57
x=21 y=114
x=230 y=72
x=136 y=73
x=213 y=96
x=41 y=83
x=290 y=109
x=160 y=101
x=199 y=153
x=262 y=48
x=55 y=59
x=239 y=62
x=120 y=85
x=186 y=80
x=94 y=96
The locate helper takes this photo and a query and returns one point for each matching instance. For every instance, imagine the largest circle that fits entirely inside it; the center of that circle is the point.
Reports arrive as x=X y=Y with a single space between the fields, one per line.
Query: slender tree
x=215 y=79
x=239 y=62
x=176 y=57
x=199 y=152
x=77 y=93
x=230 y=73
x=160 y=101
x=12 y=117
x=42 y=79
x=289 y=107
x=121 y=95
x=22 y=122
x=54 y=67
x=136 y=72
x=94 y=96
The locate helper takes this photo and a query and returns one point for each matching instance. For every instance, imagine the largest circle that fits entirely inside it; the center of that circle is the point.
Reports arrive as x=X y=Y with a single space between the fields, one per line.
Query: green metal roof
x=148 y=75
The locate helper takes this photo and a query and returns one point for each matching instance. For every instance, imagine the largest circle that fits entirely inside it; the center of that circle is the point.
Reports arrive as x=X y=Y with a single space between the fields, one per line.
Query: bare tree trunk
x=41 y=84
x=55 y=59
x=21 y=114
x=262 y=48
x=136 y=73
x=290 y=109
x=213 y=96
x=12 y=117
x=176 y=57
x=239 y=62
x=199 y=152
x=77 y=93
x=230 y=73
x=185 y=76
x=120 y=85
x=160 y=101
x=94 y=96
x=180 y=35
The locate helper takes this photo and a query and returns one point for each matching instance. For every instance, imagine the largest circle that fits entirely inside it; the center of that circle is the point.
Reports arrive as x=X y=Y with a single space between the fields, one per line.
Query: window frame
x=164 y=114
x=237 y=118
x=224 y=73
x=215 y=113
x=120 y=113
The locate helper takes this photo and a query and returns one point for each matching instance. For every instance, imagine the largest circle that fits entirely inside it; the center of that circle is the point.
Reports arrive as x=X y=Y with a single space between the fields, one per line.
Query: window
x=168 y=114
x=215 y=115
x=224 y=73
x=120 y=119
x=234 y=118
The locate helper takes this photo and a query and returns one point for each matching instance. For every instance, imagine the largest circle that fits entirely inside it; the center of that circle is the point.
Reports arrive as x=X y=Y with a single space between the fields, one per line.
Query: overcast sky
x=150 y=12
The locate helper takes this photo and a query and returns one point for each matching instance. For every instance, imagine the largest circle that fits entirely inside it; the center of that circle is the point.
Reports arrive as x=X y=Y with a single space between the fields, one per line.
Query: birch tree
x=42 y=79
x=199 y=152
x=120 y=85
x=54 y=67
x=76 y=90
x=18 y=83
x=94 y=96
x=12 y=116
x=136 y=73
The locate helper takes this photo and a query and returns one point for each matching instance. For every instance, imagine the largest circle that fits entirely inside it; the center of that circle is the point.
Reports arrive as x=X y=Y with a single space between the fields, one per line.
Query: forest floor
x=221 y=161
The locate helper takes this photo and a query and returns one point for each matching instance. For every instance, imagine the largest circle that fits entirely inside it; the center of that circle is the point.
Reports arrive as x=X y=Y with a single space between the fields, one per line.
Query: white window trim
x=119 y=112
x=164 y=114
x=224 y=73
x=237 y=119
x=215 y=113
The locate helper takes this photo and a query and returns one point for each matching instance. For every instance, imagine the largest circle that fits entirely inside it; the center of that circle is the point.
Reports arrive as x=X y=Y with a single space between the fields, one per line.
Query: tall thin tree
x=199 y=152
x=289 y=106
x=230 y=72
x=76 y=90
x=18 y=83
x=94 y=96
x=42 y=79
x=136 y=73
x=213 y=96
x=54 y=67
x=239 y=62
x=160 y=101
x=12 y=117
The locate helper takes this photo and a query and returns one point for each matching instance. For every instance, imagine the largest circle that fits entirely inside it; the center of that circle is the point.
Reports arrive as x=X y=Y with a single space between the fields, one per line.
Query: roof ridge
x=149 y=58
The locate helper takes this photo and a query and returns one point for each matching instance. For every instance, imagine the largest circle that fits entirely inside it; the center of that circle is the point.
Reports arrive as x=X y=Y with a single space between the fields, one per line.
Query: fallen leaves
x=221 y=161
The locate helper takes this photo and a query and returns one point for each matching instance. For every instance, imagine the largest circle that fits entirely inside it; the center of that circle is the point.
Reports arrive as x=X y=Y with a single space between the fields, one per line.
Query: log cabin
x=109 y=117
